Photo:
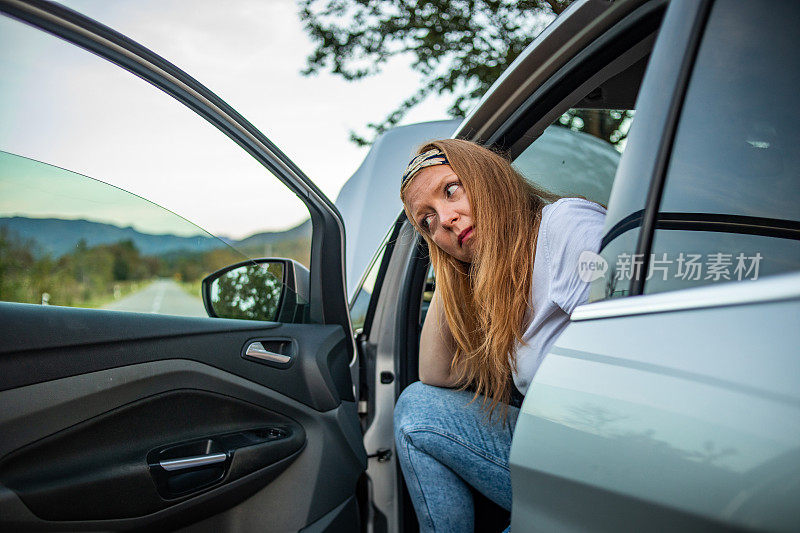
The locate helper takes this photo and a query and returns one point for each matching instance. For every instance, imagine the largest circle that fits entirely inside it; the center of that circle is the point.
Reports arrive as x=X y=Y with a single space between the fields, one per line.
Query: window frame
x=383 y=252
x=634 y=200
x=671 y=71
x=702 y=221
x=327 y=298
x=681 y=73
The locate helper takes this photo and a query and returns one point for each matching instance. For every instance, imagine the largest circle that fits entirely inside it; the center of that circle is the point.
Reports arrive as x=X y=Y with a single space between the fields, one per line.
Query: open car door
x=113 y=420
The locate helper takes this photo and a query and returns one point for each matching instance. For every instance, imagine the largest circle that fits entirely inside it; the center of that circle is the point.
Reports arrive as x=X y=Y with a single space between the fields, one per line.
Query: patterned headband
x=425 y=159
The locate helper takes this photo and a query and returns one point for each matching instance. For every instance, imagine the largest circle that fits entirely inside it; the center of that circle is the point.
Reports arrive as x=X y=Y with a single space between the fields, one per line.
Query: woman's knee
x=414 y=404
x=407 y=403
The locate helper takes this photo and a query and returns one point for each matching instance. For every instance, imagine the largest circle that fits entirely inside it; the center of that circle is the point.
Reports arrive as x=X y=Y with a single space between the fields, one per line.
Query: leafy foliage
x=609 y=125
x=460 y=47
x=83 y=277
x=250 y=292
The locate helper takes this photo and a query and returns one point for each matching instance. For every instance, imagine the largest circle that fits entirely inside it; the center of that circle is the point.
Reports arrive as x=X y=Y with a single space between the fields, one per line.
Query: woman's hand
x=436 y=347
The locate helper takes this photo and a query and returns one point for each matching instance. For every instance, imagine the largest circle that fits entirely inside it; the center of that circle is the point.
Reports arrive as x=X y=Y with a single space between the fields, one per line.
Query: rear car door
x=118 y=420
x=671 y=401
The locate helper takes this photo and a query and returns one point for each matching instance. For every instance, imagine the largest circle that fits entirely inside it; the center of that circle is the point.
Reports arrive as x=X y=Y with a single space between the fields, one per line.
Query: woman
x=505 y=254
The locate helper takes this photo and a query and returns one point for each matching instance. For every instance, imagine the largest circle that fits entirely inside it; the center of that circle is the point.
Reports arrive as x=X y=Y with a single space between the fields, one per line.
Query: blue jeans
x=446 y=444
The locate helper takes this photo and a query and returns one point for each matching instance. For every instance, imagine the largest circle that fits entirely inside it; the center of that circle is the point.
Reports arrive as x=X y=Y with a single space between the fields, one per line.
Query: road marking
x=159 y=298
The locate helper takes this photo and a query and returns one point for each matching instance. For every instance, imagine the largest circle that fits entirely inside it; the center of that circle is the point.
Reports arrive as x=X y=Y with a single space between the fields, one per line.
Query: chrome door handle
x=257 y=350
x=191 y=462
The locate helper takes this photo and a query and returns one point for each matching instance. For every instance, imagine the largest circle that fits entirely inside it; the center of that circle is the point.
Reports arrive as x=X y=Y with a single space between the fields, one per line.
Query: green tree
x=16 y=260
x=126 y=260
x=609 y=125
x=250 y=292
x=460 y=47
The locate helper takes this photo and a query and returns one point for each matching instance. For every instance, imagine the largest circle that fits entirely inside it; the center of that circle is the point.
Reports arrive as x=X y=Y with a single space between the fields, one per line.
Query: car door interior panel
x=91 y=340
x=163 y=421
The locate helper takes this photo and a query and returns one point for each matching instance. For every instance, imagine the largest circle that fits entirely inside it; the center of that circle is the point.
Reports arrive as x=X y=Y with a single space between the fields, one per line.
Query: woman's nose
x=448 y=218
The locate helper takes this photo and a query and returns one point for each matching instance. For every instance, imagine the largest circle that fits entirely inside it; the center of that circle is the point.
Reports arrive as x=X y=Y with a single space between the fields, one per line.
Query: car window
x=729 y=208
x=578 y=155
x=100 y=174
x=360 y=304
x=427 y=293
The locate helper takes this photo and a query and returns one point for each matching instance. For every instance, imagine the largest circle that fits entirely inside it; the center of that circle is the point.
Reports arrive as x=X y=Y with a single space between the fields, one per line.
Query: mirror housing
x=272 y=289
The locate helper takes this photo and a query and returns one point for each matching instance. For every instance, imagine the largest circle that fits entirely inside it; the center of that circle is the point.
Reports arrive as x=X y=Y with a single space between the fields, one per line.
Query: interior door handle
x=257 y=350
x=190 y=462
x=191 y=466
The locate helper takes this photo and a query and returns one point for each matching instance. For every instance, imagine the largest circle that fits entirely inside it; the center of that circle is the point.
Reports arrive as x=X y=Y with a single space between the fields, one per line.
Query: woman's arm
x=436 y=347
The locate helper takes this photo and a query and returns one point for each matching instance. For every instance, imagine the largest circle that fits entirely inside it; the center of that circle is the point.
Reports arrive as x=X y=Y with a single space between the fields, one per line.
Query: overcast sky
x=68 y=108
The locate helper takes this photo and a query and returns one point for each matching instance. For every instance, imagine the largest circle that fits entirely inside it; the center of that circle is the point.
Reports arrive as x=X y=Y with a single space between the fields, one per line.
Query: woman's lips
x=466 y=234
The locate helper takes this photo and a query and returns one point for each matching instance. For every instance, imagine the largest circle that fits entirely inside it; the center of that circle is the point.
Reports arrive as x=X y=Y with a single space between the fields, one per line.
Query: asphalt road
x=163 y=296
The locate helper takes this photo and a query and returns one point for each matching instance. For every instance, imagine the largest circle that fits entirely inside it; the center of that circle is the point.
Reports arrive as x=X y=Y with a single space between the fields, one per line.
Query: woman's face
x=438 y=202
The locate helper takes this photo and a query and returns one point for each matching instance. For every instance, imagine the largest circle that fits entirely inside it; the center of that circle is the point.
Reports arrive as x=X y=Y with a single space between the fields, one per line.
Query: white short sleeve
x=573 y=226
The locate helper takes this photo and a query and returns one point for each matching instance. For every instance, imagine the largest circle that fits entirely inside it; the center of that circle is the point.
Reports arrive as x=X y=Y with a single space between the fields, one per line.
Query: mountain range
x=56 y=237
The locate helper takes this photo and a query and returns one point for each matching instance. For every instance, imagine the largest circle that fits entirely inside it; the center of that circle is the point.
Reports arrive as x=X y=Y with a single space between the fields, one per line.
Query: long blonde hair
x=486 y=302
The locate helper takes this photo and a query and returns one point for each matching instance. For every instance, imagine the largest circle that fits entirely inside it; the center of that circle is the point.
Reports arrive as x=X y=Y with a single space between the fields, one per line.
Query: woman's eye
x=426 y=222
x=451 y=189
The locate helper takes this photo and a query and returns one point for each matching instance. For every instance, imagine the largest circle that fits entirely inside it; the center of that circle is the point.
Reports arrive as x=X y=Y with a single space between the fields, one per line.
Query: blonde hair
x=486 y=302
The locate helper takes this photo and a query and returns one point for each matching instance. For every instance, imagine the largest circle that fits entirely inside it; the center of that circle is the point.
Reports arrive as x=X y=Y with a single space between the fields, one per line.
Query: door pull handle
x=257 y=350
x=190 y=462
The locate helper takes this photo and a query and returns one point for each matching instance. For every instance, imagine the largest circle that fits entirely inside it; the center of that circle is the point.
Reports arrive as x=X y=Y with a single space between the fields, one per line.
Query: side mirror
x=271 y=289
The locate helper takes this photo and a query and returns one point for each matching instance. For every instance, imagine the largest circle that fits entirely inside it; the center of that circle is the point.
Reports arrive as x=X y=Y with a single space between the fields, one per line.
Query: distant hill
x=300 y=231
x=294 y=243
x=58 y=236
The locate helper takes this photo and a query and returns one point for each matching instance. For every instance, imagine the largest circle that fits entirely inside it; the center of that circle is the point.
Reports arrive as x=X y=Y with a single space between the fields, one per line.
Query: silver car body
x=671 y=411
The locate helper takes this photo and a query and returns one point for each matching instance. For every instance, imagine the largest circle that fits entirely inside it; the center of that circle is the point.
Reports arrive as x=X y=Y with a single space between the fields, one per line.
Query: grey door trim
x=771 y=289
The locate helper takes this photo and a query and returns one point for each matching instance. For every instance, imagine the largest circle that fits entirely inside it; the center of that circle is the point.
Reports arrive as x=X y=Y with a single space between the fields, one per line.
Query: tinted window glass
x=360 y=305
x=578 y=155
x=70 y=240
x=427 y=293
x=615 y=280
x=77 y=134
x=732 y=192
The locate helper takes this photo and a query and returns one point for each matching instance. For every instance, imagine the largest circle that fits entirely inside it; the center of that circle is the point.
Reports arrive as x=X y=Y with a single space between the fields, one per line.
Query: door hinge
x=383 y=455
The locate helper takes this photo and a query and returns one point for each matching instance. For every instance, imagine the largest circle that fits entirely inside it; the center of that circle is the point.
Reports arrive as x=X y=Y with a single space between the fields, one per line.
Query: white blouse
x=569 y=226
